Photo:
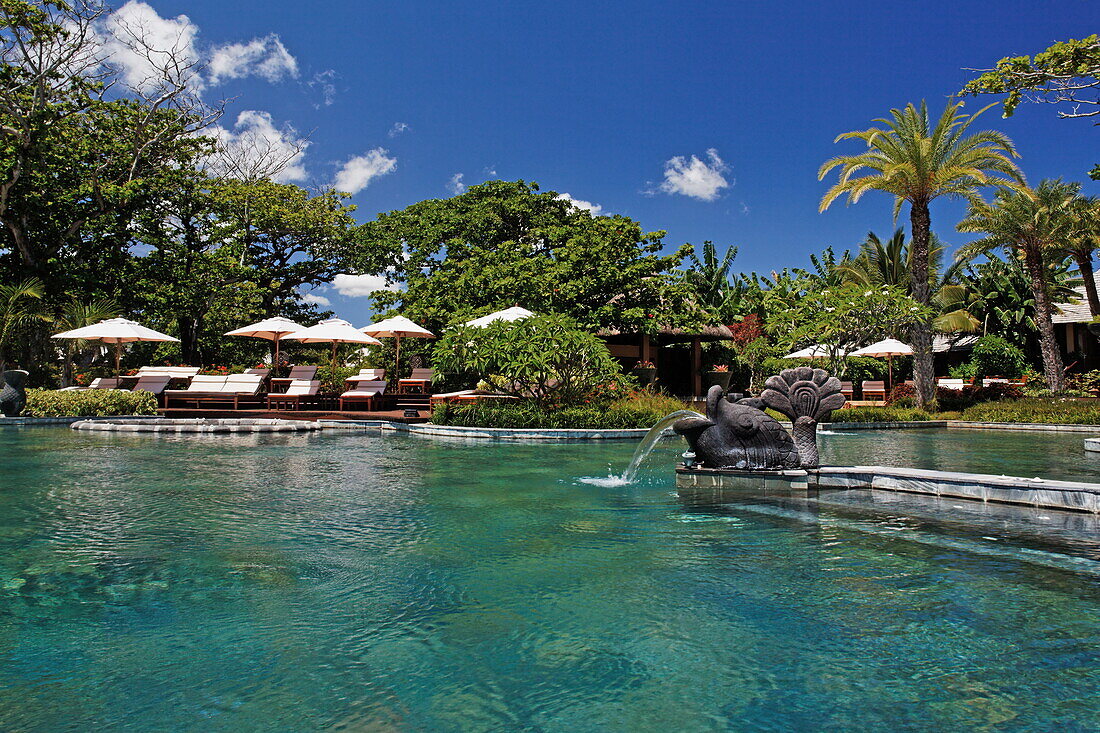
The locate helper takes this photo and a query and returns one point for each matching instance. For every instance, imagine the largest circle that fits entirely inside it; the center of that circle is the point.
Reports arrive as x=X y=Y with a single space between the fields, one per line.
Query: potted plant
x=719 y=374
x=646 y=372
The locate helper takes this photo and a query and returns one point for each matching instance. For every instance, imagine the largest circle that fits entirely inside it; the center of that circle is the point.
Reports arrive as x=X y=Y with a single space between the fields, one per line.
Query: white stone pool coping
x=196 y=425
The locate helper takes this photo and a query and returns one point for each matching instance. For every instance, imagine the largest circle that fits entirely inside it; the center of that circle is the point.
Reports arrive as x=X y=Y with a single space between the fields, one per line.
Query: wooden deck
x=311 y=415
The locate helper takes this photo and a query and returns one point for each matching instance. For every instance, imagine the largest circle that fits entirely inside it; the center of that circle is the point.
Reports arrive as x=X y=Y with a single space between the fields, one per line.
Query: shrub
x=90 y=403
x=881 y=414
x=902 y=395
x=548 y=358
x=332 y=381
x=993 y=356
x=960 y=399
x=637 y=411
x=1037 y=410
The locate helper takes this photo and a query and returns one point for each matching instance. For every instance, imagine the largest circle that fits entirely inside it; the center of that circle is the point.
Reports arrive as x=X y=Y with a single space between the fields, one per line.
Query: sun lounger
x=994 y=380
x=466 y=395
x=155 y=383
x=206 y=389
x=873 y=390
x=104 y=383
x=363 y=392
x=258 y=372
x=367 y=375
x=847 y=390
x=955 y=384
x=296 y=372
x=417 y=382
x=299 y=390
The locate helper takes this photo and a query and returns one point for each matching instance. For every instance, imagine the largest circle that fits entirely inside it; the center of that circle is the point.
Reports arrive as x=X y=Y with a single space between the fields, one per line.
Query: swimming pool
x=354 y=581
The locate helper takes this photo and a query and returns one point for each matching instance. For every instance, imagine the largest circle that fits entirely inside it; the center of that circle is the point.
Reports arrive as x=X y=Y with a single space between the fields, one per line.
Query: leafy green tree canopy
x=505 y=243
x=549 y=358
x=1067 y=73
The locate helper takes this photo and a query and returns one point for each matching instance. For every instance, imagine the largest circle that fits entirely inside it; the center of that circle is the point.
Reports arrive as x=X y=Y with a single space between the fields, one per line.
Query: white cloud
x=326 y=82
x=137 y=41
x=594 y=209
x=693 y=177
x=315 y=299
x=455 y=185
x=358 y=286
x=398 y=128
x=265 y=57
x=255 y=143
x=357 y=173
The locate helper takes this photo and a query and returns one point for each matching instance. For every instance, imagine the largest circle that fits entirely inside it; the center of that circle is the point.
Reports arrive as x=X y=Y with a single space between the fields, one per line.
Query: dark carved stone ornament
x=13 y=395
x=739 y=434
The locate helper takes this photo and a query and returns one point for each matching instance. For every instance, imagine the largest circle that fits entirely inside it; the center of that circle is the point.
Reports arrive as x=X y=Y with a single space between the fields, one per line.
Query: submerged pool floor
x=353 y=581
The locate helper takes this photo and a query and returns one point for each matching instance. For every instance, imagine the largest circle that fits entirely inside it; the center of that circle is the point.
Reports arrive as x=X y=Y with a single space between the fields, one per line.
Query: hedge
x=1046 y=411
x=881 y=414
x=88 y=403
x=621 y=415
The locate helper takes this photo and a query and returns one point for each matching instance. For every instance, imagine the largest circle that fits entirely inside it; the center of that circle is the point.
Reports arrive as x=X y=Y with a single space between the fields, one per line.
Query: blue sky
x=596 y=99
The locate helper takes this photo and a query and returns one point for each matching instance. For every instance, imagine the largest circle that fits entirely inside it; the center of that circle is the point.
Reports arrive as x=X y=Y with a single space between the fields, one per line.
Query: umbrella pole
x=334 y=359
x=397 y=359
x=890 y=368
x=275 y=364
x=118 y=360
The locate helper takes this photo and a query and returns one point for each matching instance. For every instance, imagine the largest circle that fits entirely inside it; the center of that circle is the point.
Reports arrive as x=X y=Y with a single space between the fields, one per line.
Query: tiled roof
x=1075 y=312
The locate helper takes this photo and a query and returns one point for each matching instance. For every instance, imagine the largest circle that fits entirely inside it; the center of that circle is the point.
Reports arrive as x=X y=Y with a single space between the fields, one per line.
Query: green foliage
x=20 y=305
x=89 y=403
x=332 y=381
x=709 y=278
x=881 y=414
x=1037 y=410
x=850 y=316
x=1061 y=74
x=504 y=243
x=993 y=356
x=547 y=358
x=638 y=411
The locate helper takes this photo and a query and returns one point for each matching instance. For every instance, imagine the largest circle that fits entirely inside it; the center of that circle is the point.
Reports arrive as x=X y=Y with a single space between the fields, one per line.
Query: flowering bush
x=92 y=403
x=645 y=365
x=720 y=368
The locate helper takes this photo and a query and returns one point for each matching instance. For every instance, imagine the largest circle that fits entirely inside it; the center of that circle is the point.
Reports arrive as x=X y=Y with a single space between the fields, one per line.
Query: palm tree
x=917 y=161
x=890 y=263
x=1083 y=240
x=77 y=315
x=1030 y=224
x=20 y=304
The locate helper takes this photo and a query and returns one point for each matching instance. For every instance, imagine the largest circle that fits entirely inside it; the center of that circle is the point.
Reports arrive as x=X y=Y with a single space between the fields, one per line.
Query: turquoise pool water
x=348 y=581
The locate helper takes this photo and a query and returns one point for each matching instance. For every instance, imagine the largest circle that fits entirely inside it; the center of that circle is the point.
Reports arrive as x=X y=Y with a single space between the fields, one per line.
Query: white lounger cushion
x=154 y=383
x=206 y=383
x=305 y=387
x=303 y=372
x=367 y=389
x=243 y=384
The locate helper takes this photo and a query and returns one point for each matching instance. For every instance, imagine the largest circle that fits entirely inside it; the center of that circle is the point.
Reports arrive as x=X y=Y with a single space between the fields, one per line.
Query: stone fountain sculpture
x=13 y=393
x=739 y=434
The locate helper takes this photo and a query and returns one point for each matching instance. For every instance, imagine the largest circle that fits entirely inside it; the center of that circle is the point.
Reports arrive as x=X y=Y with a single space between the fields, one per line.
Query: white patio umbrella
x=817 y=351
x=515 y=313
x=271 y=329
x=888 y=348
x=335 y=331
x=117 y=331
x=397 y=328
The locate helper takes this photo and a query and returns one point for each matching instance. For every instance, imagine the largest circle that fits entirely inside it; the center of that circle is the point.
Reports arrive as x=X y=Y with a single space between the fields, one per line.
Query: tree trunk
x=189 y=332
x=1048 y=345
x=1084 y=264
x=921 y=333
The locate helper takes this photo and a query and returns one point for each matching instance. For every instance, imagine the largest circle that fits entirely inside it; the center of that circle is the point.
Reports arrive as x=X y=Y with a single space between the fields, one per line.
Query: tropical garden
x=117 y=199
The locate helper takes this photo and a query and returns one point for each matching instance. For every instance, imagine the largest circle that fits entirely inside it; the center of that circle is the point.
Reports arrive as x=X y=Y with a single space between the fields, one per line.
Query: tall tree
x=890 y=263
x=1082 y=240
x=505 y=243
x=1029 y=223
x=917 y=160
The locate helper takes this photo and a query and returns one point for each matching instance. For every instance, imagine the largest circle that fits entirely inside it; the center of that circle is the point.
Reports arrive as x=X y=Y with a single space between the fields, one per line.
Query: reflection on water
x=353 y=581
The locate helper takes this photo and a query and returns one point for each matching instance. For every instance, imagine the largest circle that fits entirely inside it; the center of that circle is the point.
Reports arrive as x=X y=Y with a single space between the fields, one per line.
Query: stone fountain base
x=724 y=484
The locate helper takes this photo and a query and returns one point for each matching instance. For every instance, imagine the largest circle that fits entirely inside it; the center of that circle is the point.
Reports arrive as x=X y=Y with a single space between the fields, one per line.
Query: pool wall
x=1066 y=495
